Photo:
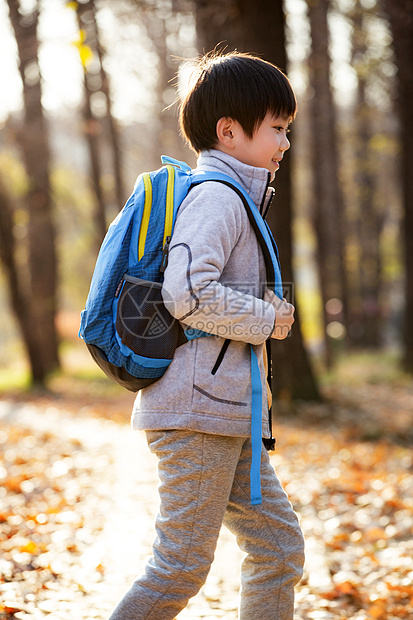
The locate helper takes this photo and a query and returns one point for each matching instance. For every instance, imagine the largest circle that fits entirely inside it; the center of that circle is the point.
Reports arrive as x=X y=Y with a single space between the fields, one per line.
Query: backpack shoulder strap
x=273 y=273
x=261 y=228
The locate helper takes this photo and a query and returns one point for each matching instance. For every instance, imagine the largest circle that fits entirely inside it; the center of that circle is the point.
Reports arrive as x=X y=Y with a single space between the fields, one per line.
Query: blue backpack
x=125 y=325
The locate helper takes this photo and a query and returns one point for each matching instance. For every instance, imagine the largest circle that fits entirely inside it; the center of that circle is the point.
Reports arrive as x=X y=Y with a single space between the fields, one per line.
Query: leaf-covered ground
x=78 y=497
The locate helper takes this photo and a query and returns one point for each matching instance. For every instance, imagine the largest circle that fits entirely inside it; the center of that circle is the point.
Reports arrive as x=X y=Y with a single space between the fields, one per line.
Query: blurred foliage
x=75 y=230
x=165 y=35
x=367 y=367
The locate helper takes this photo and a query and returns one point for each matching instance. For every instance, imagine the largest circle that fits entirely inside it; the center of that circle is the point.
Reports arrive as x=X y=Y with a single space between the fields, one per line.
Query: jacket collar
x=254 y=180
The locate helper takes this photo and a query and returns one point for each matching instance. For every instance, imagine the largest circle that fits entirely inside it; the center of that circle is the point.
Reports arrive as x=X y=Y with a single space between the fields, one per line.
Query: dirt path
x=120 y=497
x=79 y=497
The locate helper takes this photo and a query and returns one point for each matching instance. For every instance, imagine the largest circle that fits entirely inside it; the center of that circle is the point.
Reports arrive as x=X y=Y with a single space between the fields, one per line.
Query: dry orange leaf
x=29 y=547
x=373 y=534
x=379 y=608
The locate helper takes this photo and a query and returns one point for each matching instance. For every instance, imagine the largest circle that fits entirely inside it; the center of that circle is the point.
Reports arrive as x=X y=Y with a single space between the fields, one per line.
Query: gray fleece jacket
x=214 y=282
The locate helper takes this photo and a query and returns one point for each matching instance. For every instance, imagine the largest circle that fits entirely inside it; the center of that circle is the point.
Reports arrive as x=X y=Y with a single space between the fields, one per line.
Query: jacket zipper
x=220 y=356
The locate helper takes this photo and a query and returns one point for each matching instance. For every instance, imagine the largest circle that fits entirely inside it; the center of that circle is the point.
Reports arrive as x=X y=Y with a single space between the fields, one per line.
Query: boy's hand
x=284 y=315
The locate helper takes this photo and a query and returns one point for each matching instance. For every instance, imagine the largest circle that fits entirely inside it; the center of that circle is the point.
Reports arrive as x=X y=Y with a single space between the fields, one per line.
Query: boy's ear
x=226 y=132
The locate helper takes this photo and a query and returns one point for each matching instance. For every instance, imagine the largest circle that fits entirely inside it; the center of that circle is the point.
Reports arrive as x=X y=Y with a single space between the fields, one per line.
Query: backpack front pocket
x=143 y=323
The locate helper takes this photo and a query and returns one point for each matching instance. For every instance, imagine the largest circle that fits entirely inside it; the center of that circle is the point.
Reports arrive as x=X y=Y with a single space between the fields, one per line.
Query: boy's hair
x=236 y=85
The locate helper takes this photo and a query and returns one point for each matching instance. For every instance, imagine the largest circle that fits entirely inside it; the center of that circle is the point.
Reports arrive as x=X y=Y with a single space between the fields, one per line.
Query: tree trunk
x=18 y=297
x=328 y=203
x=33 y=142
x=365 y=322
x=219 y=24
x=294 y=377
x=160 y=28
x=92 y=126
x=370 y=225
x=113 y=132
x=401 y=22
x=260 y=30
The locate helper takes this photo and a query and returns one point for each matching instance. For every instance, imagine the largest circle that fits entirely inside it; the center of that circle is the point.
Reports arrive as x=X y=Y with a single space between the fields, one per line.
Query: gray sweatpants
x=204 y=483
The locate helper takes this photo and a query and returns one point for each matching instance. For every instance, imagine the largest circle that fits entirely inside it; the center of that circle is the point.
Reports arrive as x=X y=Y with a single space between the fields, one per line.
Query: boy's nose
x=285 y=144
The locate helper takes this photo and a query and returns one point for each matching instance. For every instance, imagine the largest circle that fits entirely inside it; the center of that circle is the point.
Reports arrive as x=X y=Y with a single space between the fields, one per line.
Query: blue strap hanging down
x=256 y=408
x=256 y=430
x=262 y=225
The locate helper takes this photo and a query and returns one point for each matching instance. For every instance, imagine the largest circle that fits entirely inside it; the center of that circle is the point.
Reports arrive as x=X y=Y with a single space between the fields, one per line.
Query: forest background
x=89 y=101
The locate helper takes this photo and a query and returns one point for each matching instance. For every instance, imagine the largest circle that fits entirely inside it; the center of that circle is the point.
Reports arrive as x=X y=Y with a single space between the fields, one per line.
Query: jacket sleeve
x=208 y=227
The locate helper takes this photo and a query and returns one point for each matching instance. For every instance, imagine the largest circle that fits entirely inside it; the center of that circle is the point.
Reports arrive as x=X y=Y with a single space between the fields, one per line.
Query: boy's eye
x=287 y=129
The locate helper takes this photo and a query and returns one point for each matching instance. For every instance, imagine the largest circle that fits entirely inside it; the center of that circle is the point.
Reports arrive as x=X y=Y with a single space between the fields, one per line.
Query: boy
x=198 y=416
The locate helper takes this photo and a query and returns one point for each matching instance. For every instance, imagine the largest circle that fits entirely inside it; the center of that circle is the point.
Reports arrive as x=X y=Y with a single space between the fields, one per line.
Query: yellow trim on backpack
x=146 y=214
x=169 y=206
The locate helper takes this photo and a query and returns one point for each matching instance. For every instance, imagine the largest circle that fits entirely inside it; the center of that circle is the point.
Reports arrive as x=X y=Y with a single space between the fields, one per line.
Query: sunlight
x=133 y=80
x=59 y=59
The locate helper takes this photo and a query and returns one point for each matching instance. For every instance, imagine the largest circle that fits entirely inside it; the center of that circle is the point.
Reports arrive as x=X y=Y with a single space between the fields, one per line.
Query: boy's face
x=267 y=146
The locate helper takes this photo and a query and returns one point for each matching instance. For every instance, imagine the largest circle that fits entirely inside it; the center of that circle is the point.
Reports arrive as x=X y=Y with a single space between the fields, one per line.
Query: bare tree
x=365 y=322
x=162 y=27
x=219 y=23
x=32 y=137
x=262 y=31
x=18 y=295
x=328 y=203
x=401 y=22
x=99 y=132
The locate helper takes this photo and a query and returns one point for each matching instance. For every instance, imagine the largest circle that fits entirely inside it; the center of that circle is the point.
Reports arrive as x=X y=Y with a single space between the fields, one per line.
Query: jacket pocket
x=230 y=384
